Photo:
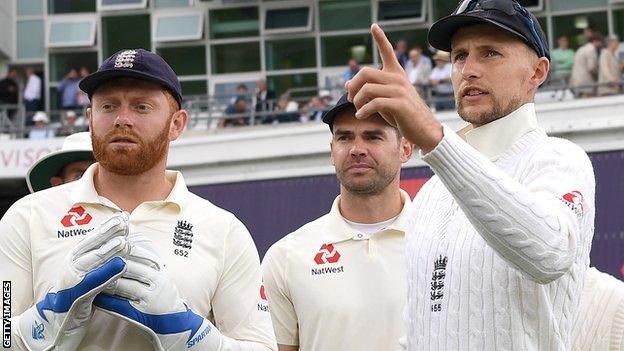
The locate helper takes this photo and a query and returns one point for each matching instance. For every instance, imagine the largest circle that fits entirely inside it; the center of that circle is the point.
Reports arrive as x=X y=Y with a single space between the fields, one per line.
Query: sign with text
x=16 y=156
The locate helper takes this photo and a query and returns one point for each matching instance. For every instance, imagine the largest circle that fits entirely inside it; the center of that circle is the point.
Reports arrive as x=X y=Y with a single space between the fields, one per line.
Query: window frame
x=421 y=19
x=54 y=19
x=284 y=6
x=190 y=3
x=103 y=7
x=157 y=15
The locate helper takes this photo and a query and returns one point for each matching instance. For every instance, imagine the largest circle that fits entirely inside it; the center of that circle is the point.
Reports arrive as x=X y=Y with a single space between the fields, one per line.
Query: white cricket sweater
x=500 y=240
x=599 y=324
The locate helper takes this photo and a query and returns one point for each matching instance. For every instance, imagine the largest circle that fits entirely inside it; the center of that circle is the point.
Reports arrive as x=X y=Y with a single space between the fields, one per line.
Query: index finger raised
x=386 y=52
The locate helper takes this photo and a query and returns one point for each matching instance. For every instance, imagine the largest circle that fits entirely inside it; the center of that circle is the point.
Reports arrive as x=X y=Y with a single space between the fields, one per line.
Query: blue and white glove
x=146 y=297
x=60 y=320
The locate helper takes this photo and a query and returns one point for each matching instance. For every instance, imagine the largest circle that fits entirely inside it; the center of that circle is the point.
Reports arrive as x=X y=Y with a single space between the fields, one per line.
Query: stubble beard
x=374 y=186
x=498 y=110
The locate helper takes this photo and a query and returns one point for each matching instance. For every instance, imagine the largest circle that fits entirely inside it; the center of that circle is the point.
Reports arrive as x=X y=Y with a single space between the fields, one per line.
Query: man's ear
x=407 y=149
x=540 y=71
x=56 y=180
x=178 y=123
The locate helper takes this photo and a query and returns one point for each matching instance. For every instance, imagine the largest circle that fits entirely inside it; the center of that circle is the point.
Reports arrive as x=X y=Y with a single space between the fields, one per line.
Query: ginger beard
x=134 y=160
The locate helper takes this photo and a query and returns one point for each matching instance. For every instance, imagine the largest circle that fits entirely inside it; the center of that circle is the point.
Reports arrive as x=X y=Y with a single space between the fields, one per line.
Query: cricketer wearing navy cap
x=105 y=262
x=135 y=63
x=500 y=236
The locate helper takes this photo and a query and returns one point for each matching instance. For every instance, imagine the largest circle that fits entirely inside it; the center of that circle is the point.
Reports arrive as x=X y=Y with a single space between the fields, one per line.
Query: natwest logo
x=327 y=254
x=574 y=200
x=76 y=216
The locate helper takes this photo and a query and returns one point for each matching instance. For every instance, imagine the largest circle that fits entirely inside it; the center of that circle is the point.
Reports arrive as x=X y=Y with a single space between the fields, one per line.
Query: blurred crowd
x=594 y=69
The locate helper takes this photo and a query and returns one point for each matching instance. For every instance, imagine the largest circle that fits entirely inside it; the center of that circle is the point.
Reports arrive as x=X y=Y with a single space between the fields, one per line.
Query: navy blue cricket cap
x=507 y=15
x=134 y=63
x=341 y=105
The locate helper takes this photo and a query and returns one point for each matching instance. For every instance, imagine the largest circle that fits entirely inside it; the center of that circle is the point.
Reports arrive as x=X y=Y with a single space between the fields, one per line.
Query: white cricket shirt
x=330 y=288
x=208 y=252
x=500 y=240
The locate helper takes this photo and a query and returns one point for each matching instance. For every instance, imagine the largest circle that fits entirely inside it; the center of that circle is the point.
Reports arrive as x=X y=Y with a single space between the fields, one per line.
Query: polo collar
x=338 y=229
x=84 y=190
x=494 y=138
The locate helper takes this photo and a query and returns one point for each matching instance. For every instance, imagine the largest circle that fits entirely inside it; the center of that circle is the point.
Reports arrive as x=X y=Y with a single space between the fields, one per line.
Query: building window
x=62 y=63
x=563 y=5
x=400 y=11
x=194 y=87
x=29 y=7
x=283 y=82
x=160 y=4
x=234 y=23
x=237 y=57
x=532 y=5
x=104 y=5
x=70 y=31
x=287 y=19
x=70 y=6
x=337 y=50
x=186 y=60
x=290 y=53
x=30 y=39
x=572 y=26
x=344 y=14
x=125 y=32
x=178 y=26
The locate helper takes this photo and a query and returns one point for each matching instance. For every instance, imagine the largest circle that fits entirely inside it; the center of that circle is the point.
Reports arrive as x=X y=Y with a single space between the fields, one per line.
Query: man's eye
x=492 y=53
x=143 y=107
x=107 y=107
x=459 y=57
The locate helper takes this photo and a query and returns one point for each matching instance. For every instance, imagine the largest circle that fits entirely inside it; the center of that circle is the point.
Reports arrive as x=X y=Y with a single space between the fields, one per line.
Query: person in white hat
x=62 y=166
x=41 y=130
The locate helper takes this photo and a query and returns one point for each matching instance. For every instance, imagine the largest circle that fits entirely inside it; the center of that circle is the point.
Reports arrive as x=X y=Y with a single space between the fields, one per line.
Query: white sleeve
x=283 y=314
x=531 y=225
x=235 y=302
x=15 y=263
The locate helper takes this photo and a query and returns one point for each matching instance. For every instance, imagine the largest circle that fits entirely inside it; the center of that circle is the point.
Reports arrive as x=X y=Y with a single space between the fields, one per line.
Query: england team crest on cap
x=125 y=59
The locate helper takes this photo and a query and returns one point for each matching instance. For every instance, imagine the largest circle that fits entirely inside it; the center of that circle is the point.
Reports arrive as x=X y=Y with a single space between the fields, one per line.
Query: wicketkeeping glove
x=61 y=318
x=146 y=297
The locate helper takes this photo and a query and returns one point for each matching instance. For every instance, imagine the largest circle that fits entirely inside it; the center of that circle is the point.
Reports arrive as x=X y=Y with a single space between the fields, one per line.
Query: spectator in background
x=40 y=130
x=69 y=90
x=238 y=108
x=70 y=124
x=609 y=69
x=326 y=99
x=241 y=91
x=288 y=110
x=418 y=70
x=562 y=59
x=314 y=111
x=401 y=52
x=82 y=99
x=32 y=94
x=265 y=99
x=585 y=67
x=354 y=68
x=440 y=79
x=9 y=91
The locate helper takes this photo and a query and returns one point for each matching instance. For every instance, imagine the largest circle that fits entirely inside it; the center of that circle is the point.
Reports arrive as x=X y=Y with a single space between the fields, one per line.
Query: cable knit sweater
x=600 y=321
x=500 y=244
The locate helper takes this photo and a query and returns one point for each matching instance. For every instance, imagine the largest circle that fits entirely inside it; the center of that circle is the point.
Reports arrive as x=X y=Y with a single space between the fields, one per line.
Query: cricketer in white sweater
x=501 y=239
x=599 y=324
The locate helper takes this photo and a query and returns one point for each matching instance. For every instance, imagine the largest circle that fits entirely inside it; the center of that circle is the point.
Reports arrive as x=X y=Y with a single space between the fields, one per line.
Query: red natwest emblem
x=327 y=254
x=76 y=216
x=262 y=293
